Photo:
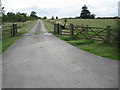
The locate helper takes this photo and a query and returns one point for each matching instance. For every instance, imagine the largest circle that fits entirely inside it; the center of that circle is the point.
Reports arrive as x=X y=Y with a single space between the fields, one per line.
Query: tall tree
x=11 y=16
x=44 y=17
x=85 y=13
x=56 y=17
x=52 y=18
x=33 y=14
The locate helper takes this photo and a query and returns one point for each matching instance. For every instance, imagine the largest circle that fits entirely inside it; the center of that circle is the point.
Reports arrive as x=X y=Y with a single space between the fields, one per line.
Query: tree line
x=18 y=17
x=86 y=14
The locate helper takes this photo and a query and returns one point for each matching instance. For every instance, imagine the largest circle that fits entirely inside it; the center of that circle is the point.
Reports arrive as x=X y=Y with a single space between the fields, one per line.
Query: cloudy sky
x=62 y=8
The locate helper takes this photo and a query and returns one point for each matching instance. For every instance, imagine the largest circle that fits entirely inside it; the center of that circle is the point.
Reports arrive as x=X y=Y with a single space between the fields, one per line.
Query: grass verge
x=101 y=49
x=90 y=45
x=8 y=42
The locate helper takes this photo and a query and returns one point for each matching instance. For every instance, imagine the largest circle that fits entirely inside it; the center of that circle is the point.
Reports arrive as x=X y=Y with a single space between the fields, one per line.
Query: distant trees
x=108 y=17
x=18 y=17
x=56 y=17
x=85 y=13
x=33 y=14
x=52 y=18
x=44 y=17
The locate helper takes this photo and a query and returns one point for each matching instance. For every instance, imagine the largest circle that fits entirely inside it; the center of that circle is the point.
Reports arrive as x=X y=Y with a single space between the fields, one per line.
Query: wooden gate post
x=108 y=28
x=59 y=29
x=55 y=29
x=71 y=29
x=13 y=29
x=16 y=29
x=87 y=28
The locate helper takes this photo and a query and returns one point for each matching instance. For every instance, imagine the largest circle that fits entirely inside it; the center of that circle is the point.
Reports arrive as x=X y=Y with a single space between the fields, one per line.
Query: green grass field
x=97 y=48
x=49 y=26
x=90 y=22
x=25 y=27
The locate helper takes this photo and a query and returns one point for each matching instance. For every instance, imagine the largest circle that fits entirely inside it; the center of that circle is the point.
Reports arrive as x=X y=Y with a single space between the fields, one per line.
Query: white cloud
x=62 y=8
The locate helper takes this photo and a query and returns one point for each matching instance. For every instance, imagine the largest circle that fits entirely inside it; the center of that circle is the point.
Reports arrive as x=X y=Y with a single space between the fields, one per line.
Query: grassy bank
x=23 y=28
x=101 y=49
x=8 y=42
x=90 y=45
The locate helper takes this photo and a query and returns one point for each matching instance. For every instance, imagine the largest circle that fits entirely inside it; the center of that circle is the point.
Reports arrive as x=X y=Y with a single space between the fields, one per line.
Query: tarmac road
x=44 y=61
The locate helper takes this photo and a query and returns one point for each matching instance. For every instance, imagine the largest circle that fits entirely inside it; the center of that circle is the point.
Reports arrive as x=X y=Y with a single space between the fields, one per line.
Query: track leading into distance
x=44 y=61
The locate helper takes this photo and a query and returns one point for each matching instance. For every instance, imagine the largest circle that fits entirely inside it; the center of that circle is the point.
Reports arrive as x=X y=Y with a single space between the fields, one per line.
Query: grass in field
x=26 y=27
x=49 y=26
x=102 y=49
x=92 y=22
x=90 y=45
x=6 y=43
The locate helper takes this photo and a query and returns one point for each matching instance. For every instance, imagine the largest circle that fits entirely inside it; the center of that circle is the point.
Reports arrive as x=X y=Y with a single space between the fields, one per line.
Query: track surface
x=44 y=61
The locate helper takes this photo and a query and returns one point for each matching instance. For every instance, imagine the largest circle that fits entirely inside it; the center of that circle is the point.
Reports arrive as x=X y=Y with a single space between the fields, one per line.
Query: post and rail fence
x=9 y=31
x=103 y=34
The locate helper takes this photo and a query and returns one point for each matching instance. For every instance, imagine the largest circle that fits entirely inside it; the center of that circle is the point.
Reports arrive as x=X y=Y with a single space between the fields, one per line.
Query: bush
x=116 y=33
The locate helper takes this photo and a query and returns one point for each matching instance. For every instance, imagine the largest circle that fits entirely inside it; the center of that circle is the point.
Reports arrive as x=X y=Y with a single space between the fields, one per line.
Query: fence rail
x=89 y=32
x=9 y=31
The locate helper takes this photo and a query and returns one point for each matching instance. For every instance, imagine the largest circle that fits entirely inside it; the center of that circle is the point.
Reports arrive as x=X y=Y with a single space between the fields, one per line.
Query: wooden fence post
x=13 y=29
x=71 y=29
x=86 y=36
x=55 y=29
x=108 y=28
x=16 y=29
x=59 y=29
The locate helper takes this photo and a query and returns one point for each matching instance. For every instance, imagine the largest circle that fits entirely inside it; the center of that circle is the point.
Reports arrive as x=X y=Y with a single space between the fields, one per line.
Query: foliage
x=18 y=17
x=44 y=17
x=52 y=18
x=116 y=33
x=33 y=15
x=86 y=13
x=56 y=17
